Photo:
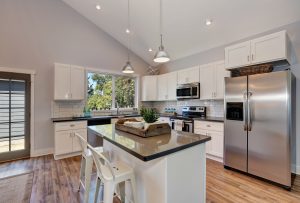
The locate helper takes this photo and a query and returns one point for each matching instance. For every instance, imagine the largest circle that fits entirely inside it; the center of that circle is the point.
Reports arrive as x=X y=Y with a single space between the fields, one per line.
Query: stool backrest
x=102 y=163
x=83 y=143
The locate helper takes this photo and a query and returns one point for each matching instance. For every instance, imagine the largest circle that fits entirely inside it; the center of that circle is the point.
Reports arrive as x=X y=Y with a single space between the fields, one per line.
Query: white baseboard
x=215 y=158
x=298 y=170
x=41 y=152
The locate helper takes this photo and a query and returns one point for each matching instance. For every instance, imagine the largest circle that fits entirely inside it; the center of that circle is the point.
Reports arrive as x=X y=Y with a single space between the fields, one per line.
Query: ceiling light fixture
x=127 y=31
x=161 y=55
x=98 y=7
x=208 y=22
x=150 y=50
x=128 y=68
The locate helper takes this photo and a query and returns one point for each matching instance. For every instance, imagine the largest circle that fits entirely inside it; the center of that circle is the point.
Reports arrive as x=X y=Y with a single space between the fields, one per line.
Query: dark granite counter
x=65 y=119
x=214 y=119
x=149 y=148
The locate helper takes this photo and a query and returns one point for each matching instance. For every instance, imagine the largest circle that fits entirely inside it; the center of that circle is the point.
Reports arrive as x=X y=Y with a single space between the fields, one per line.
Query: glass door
x=14 y=116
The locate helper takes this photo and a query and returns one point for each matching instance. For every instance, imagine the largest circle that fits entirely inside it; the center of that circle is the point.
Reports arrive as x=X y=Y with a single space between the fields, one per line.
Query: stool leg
x=109 y=190
x=81 y=172
x=97 y=189
x=87 y=176
x=133 y=189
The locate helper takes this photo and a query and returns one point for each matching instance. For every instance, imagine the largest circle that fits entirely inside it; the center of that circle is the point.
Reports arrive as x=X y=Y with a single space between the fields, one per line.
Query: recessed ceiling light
x=208 y=22
x=98 y=7
x=150 y=50
x=127 y=31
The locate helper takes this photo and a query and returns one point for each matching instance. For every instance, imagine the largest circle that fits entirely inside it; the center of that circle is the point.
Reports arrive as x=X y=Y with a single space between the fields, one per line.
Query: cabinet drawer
x=208 y=125
x=73 y=125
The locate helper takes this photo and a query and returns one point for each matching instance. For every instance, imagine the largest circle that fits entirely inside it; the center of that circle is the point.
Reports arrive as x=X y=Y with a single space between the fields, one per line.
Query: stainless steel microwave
x=188 y=91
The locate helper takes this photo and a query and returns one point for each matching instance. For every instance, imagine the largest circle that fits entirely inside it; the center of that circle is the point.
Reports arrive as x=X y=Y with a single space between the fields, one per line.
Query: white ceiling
x=185 y=32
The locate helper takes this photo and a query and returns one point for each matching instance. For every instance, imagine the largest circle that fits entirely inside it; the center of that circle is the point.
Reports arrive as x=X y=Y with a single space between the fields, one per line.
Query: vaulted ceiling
x=185 y=32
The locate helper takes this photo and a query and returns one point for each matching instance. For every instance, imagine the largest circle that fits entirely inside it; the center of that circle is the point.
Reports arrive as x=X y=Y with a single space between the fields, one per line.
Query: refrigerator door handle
x=249 y=113
x=245 y=112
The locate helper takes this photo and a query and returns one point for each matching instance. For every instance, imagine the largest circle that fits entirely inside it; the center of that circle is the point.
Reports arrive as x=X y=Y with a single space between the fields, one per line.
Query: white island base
x=179 y=177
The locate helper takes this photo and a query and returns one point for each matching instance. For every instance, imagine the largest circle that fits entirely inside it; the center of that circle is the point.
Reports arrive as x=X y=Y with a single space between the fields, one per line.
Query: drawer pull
x=208 y=126
x=72 y=125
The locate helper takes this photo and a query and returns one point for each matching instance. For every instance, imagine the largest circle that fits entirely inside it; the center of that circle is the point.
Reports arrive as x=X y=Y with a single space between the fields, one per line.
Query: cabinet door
x=172 y=84
x=237 y=55
x=63 y=142
x=208 y=145
x=149 y=88
x=62 y=82
x=76 y=143
x=162 y=87
x=207 y=81
x=77 y=83
x=268 y=48
x=220 y=74
x=217 y=143
x=189 y=75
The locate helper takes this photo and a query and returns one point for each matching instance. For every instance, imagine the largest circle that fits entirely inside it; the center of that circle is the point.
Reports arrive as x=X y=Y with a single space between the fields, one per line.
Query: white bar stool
x=86 y=166
x=112 y=173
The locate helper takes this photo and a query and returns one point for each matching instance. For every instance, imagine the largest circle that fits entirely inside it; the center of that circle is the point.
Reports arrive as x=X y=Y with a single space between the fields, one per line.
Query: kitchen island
x=169 y=168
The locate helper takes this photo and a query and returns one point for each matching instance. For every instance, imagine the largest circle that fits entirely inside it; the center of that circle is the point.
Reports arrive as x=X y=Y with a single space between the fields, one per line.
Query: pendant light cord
x=129 y=28
x=160 y=21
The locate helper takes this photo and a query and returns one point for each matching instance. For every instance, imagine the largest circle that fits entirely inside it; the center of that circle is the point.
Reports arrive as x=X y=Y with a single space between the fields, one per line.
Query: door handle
x=249 y=113
x=245 y=117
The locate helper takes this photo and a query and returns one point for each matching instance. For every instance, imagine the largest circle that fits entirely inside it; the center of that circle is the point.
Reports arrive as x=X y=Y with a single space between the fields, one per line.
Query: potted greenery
x=149 y=115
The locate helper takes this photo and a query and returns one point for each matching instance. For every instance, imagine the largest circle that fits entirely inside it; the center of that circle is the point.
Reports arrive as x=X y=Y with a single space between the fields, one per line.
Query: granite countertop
x=64 y=119
x=149 y=148
x=214 y=119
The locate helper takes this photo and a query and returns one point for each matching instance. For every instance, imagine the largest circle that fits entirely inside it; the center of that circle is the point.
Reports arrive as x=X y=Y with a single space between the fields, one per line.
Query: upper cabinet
x=69 y=82
x=166 y=86
x=149 y=88
x=212 y=80
x=189 y=75
x=270 y=48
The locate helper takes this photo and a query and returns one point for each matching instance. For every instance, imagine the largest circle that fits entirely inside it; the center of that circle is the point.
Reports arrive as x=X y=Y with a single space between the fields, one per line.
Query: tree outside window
x=102 y=87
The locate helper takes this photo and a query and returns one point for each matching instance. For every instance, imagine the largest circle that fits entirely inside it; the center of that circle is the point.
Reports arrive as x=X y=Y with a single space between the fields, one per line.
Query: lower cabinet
x=214 y=148
x=66 y=143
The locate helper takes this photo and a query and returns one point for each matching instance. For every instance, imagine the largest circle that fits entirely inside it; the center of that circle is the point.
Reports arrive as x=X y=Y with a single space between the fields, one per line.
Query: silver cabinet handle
x=245 y=118
x=208 y=126
x=249 y=112
x=72 y=125
x=252 y=57
x=248 y=58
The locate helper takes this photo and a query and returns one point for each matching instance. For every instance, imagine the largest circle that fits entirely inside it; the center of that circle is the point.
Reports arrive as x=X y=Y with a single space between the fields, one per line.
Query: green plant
x=149 y=115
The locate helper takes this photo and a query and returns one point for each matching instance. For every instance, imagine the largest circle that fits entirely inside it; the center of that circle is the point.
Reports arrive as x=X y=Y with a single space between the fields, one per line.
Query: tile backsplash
x=214 y=108
x=67 y=108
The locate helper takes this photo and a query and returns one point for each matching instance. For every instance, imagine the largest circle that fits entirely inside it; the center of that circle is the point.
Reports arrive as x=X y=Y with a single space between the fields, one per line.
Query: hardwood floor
x=56 y=181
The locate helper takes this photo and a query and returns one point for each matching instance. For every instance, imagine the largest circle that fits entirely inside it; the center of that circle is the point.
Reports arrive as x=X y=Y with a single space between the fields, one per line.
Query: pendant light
x=128 y=68
x=161 y=55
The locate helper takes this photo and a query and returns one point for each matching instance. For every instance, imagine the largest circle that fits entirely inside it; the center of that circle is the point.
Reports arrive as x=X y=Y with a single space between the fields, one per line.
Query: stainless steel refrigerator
x=259 y=126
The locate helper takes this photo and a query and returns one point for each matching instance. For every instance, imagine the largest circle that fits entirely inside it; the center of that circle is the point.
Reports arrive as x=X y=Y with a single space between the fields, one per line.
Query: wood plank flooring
x=56 y=181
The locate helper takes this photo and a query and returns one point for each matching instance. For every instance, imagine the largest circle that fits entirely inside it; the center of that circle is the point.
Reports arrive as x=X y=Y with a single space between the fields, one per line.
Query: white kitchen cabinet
x=212 y=80
x=69 y=82
x=220 y=73
x=269 y=48
x=214 y=148
x=149 y=88
x=66 y=143
x=238 y=55
x=166 y=86
x=172 y=85
x=188 y=75
x=207 y=81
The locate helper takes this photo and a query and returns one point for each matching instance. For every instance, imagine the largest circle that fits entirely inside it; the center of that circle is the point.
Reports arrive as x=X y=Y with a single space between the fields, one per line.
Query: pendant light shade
x=128 y=68
x=161 y=55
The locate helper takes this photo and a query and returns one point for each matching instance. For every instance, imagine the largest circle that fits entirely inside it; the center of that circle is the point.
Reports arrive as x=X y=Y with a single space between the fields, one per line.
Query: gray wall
x=36 y=33
x=218 y=54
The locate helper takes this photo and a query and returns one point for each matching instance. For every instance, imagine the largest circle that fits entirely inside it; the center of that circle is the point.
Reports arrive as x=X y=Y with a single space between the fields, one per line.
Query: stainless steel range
x=185 y=121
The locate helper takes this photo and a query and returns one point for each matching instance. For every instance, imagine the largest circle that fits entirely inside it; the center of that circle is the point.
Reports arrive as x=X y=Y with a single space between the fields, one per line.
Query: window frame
x=136 y=78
